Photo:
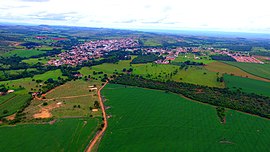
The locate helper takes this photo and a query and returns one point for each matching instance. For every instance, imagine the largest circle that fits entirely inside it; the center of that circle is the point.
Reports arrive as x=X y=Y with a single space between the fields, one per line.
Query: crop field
x=223 y=68
x=151 y=120
x=12 y=102
x=24 y=53
x=260 y=70
x=62 y=99
x=247 y=85
x=63 y=135
x=191 y=57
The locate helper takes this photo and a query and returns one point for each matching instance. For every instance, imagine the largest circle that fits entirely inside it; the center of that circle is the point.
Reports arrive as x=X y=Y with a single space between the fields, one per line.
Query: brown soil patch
x=45 y=111
x=11 y=117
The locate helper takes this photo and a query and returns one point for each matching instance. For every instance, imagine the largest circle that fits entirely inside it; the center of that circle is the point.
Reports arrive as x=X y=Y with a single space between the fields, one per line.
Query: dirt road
x=100 y=133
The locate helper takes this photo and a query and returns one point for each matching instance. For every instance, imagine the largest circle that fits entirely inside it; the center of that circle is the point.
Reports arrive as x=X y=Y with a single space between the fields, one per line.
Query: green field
x=223 y=68
x=12 y=102
x=194 y=75
x=33 y=61
x=261 y=70
x=191 y=57
x=27 y=83
x=64 y=135
x=24 y=53
x=247 y=85
x=150 y=120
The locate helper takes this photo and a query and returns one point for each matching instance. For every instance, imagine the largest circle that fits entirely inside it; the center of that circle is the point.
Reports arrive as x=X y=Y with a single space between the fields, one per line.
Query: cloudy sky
x=221 y=15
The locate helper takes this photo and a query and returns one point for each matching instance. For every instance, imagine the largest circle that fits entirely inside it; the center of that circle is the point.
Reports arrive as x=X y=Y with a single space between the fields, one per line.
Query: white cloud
x=228 y=15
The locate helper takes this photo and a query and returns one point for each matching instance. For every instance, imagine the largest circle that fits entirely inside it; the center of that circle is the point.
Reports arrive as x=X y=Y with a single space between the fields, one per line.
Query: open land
x=150 y=120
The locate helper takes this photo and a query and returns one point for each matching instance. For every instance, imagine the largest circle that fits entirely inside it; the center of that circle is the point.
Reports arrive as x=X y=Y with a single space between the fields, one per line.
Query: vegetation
x=222 y=57
x=151 y=120
x=64 y=135
x=260 y=70
x=222 y=68
x=145 y=59
x=247 y=85
x=250 y=103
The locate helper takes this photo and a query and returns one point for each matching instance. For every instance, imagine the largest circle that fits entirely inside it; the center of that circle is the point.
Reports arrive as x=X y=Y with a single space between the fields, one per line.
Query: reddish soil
x=100 y=133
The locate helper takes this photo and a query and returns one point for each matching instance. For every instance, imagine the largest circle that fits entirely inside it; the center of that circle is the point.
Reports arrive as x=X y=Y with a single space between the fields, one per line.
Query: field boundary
x=266 y=79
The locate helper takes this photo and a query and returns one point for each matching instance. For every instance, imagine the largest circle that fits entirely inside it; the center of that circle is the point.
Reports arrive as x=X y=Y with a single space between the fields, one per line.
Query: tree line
x=237 y=100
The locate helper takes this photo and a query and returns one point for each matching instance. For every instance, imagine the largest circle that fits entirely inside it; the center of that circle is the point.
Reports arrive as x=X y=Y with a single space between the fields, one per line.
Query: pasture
x=63 y=135
x=192 y=58
x=193 y=74
x=33 y=61
x=260 y=70
x=151 y=120
x=30 y=85
x=73 y=99
x=224 y=68
x=24 y=53
x=247 y=85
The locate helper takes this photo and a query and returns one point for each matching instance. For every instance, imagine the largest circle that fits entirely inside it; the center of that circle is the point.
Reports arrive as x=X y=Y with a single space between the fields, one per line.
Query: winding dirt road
x=100 y=133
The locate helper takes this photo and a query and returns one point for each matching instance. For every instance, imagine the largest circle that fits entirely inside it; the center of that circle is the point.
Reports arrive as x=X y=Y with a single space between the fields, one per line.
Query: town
x=97 y=49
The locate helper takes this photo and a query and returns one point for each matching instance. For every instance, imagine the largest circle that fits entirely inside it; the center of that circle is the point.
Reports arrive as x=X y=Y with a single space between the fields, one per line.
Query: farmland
x=24 y=53
x=192 y=57
x=28 y=83
x=260 y=70
x=168 y=122
x=224 y=68
x=68 y=100
x=32 y=61
x=10 y=103
x=247 y=85
x=63 y=135
x=193 y=74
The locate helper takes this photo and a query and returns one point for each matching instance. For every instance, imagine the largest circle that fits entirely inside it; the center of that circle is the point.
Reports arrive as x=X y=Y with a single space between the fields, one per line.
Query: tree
x=96 y=104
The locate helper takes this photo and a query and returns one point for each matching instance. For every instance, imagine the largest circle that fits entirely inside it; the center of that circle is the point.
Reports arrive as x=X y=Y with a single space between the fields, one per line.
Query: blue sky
x=213 y=15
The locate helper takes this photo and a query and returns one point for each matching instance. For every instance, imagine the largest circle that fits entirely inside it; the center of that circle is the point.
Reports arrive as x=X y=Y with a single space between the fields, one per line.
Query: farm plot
x=151 y=120
x=247 y=85
x=11 y=103
x=72 y=99
x=63 y=135
x=24 y=53
x=29 y=85
x=193 y=74
x=260 y=70
x=194 y=58
x=223 y=68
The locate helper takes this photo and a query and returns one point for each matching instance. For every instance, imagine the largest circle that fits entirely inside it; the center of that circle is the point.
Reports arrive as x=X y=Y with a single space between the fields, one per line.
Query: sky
x=207 y=15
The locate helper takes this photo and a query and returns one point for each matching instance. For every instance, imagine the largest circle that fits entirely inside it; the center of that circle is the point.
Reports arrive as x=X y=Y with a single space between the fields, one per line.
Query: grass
x=224 y=68
x=151 y=120
x=70 y=94
x=27 y=83
x=191 y=57
x=24 y=53
x=33 y=61
x=260 y=70
x=194 y=75
x=247 y=85
x=64 y=135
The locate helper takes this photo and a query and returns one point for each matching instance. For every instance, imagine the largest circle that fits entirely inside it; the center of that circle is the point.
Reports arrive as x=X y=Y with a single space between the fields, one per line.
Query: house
x=94 y=110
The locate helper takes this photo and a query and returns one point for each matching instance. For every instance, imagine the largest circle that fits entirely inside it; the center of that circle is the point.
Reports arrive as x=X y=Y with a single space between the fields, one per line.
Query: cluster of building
x=240 y=57
x=92 y=49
